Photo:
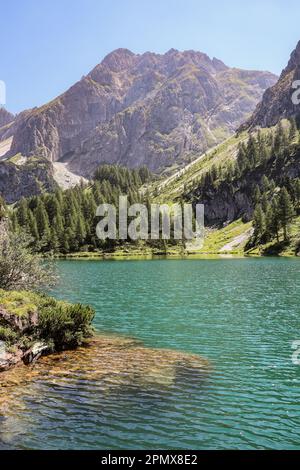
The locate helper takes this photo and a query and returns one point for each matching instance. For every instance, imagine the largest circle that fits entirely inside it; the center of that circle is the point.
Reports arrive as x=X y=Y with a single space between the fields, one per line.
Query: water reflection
x=88 y=387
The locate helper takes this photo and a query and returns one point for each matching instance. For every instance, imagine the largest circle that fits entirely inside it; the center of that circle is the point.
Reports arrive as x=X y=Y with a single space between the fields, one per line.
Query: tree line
x=274 y=210
x=65 y=221
x=261 y=151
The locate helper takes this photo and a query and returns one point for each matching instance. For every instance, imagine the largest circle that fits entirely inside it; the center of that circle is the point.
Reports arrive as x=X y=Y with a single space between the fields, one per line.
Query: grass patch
x=19 y=303
x=216 y=239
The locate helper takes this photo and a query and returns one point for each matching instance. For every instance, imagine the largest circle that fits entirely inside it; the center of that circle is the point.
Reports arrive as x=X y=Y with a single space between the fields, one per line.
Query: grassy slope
x=216 y=240
x=291 y=248
x=171 y=188
x=19 y=303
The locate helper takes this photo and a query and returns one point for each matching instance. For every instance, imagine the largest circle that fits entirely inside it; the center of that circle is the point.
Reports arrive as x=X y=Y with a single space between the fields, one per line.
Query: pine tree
x=264 y=202
x=265 y=183
x=272 y=222
x=285 y=211
x=297 y=192
x=54 y=244
x=22 y=212
x=80 y=232
x=53 y=207
x=257 y=195
x=32 y=226
x=58 y=223
x=252 y=151
x=15 y=227
x=259 y=222
x=272 y=186
x=279 y=139
x=43 y=225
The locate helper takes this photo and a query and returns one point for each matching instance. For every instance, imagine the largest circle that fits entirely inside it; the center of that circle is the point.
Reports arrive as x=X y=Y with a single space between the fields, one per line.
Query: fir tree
x=259 y=222
x=285 y=211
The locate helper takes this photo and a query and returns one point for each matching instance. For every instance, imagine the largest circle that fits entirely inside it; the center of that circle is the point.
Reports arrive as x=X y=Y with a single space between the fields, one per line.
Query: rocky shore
x=32 y=325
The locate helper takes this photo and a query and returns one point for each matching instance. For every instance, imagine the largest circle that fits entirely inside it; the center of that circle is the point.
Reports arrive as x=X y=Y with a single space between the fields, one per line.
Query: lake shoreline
x=124 y=256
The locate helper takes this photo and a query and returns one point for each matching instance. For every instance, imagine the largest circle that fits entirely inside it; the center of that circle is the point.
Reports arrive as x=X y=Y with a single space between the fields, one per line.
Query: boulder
x=34 y=353
x=8 y=359
x=19 y=323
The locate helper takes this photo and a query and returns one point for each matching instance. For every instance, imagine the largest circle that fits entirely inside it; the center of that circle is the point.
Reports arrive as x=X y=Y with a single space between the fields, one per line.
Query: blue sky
x=48 y=45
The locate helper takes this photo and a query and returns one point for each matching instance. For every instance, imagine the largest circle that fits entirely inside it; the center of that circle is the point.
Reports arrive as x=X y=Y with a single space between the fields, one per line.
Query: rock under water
x=111 y=361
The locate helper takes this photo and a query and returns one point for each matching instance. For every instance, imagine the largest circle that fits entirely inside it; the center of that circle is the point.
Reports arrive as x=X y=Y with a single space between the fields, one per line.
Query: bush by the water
x=65 y=325
x=59 y=324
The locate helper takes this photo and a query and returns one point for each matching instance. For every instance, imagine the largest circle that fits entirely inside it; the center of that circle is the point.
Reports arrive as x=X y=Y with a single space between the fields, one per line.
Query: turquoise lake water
x=241 y=314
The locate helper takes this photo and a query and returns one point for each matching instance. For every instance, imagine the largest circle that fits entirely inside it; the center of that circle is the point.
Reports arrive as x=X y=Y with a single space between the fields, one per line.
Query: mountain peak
x=119 y=59
x=172 y=51
x=294 y=61
x=219 y=65
x=277 y=101
x=140 y=109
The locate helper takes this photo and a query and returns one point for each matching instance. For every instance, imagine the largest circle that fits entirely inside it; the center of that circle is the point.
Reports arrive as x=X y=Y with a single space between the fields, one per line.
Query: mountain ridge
x=135 y=109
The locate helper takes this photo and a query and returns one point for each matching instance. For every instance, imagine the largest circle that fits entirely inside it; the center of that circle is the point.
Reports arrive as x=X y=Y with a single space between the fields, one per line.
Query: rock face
x=20 y=324
x=29 y=178
x=147 y=109
x=277 y=101
x=5 y=117
x=8 y=359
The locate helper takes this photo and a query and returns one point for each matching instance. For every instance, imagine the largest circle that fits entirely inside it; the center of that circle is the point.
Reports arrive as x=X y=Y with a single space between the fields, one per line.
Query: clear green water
x=243 y=315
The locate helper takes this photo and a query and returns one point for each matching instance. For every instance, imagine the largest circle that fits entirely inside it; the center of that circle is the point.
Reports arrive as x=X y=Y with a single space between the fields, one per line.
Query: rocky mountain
x=5 y=117
x=277 y=101
x=158 y=110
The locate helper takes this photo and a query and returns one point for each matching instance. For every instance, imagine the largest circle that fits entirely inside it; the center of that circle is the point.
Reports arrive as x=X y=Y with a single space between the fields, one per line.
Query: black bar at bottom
x=136 y=459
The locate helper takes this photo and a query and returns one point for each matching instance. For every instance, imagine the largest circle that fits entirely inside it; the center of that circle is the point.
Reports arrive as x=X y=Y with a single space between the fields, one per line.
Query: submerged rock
x=111 y=362
x=9 y=359
x=35 y=352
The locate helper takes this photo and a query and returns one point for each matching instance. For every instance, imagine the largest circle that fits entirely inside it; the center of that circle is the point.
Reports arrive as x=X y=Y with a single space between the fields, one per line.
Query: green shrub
x=65 y=325
x=60 y=324
x=8 y=335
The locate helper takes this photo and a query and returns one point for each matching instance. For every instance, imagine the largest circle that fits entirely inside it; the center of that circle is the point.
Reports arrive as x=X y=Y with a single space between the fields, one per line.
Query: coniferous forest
x=65 y=221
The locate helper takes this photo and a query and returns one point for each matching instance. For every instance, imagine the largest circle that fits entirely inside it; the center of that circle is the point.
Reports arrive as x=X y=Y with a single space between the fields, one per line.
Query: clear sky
x=47 y=45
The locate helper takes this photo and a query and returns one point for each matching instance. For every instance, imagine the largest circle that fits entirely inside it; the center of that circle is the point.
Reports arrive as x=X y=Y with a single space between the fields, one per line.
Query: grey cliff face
x=29 y=179
x=277 y=101
x=150 y=109
x=5 y=117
